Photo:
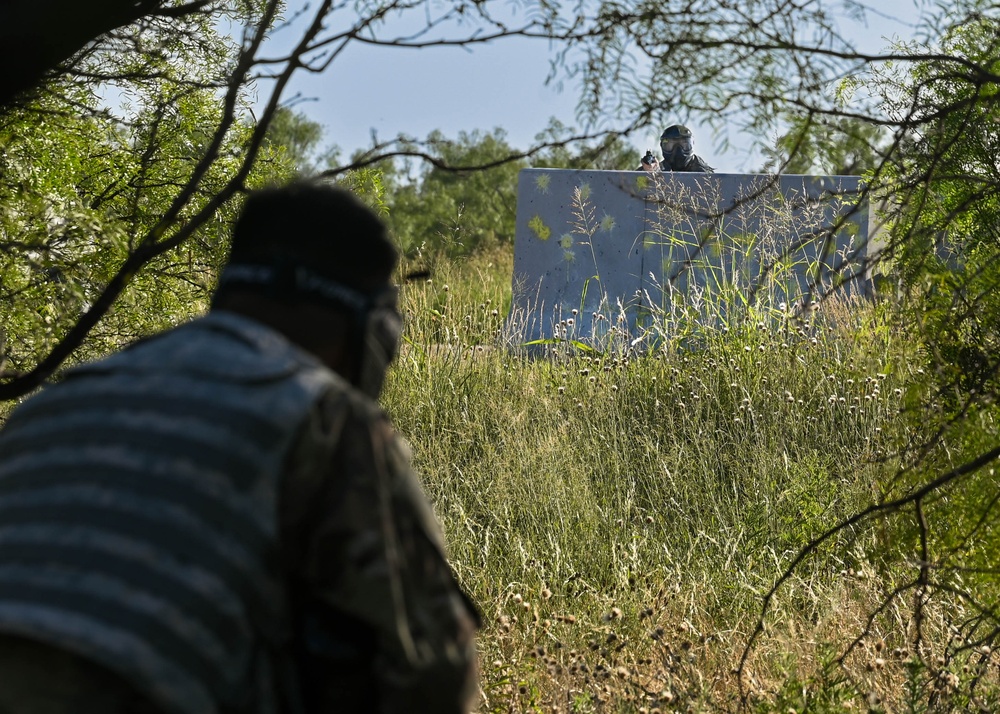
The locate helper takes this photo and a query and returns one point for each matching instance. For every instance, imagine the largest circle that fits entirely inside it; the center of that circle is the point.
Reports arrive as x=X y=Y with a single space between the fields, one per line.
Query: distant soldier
x=220 y=519
x=678 y=153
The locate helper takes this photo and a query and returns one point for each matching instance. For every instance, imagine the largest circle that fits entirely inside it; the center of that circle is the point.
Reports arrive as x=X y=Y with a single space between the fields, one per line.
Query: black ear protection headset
x=374 y=316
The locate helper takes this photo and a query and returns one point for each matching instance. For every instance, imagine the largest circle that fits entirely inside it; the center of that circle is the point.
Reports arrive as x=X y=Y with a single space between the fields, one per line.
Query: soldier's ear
x=323 y=330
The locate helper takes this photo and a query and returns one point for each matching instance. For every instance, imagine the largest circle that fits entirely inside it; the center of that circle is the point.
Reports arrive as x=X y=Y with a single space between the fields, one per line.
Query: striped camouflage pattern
x=138 y=522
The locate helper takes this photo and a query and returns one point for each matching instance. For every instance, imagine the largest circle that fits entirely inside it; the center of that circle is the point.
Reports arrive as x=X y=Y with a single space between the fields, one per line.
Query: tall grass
x=618 y=517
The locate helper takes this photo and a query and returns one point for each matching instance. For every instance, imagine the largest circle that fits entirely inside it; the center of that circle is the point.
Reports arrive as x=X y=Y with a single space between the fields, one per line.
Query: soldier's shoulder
x=702 y=165
x=342 y=403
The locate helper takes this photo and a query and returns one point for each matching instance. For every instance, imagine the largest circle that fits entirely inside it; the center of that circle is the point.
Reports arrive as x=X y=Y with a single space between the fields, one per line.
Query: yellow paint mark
x=538 y=227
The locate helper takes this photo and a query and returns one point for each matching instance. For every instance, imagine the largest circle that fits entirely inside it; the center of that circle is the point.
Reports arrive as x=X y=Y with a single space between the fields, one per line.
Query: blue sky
x=392 y=90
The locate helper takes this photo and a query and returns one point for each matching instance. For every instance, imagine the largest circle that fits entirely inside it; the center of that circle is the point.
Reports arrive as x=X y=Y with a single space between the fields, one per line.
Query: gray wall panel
x=609 y=257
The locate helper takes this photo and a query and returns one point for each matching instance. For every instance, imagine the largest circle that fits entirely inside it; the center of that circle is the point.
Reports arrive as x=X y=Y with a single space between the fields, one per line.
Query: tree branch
x=38 y=35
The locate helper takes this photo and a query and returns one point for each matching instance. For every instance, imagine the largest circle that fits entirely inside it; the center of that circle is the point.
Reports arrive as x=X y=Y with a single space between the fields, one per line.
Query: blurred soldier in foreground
x=220 y=519
x=678 y=153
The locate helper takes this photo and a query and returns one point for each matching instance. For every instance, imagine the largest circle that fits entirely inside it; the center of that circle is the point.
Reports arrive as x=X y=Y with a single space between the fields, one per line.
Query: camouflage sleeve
x=389 y=623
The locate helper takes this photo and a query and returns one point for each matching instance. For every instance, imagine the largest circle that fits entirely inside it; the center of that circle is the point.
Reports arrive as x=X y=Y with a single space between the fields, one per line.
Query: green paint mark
x=566 y=241
x=538 y=227
x=584 y=191
x=542 y=183
x=607 y=223
x=642 y=182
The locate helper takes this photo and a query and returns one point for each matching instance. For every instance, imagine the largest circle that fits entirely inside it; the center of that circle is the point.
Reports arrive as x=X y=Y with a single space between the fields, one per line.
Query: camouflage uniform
x=223 y=525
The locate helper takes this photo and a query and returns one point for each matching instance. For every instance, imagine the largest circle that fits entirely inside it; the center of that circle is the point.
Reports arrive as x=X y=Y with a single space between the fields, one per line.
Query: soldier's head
x=677 y=145
x=314 y=262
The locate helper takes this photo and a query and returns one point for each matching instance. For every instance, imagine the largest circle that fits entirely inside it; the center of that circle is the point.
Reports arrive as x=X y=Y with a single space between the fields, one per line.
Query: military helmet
x=677 y=131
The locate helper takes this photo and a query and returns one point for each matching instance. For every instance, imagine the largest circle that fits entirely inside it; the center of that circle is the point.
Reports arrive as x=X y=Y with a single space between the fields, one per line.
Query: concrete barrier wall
x=612 y=258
